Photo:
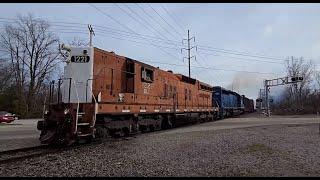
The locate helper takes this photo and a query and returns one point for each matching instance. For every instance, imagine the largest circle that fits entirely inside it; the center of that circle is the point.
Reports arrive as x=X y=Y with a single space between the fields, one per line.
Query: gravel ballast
x=275 y=150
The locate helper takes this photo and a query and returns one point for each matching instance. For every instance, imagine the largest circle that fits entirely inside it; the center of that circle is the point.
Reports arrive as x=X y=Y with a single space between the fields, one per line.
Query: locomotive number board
x=80 y=59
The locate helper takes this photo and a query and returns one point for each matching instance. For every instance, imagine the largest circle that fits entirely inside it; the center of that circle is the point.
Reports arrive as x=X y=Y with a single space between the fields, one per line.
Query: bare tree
x=317 y=79
x=296 y=95
x=33 y=55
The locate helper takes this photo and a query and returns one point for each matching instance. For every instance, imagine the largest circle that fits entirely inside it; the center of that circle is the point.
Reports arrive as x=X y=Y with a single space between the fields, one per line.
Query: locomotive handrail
x=70 y=79
x=44 y=106
x=76 y=128
x=87 y=88
x=95 y=108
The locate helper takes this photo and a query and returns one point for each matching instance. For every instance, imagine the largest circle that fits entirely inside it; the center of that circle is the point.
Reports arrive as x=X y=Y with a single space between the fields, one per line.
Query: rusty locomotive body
x=102 y=94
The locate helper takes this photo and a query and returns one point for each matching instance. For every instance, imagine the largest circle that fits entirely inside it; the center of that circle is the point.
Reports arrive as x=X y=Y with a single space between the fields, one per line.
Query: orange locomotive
x=103 y=94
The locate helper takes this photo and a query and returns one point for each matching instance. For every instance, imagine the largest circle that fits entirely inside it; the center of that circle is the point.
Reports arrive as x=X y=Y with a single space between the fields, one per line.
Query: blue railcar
x=230 y=103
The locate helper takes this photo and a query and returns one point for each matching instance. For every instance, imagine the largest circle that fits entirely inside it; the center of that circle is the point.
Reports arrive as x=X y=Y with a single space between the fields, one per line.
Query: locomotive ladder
x=80 y=115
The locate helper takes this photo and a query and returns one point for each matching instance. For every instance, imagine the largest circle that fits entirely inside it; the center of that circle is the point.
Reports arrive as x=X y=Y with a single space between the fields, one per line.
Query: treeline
x=29 y=59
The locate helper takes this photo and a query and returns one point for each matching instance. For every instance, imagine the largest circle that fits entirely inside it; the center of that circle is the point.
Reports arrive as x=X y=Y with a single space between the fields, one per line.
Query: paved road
x=18 y=134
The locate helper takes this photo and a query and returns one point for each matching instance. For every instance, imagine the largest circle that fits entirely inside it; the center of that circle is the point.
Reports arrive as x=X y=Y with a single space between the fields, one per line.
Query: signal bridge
x=277 y=82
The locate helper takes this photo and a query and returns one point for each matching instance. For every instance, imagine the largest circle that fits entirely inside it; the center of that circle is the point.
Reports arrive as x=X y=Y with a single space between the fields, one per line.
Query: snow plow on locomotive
x=103 y=94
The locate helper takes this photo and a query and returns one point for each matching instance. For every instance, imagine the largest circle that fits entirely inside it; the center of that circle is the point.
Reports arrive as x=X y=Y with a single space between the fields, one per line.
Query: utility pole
x=91 y=33
x=189 y=58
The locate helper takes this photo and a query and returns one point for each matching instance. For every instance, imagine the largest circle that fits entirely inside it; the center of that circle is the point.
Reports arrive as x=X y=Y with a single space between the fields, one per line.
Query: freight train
x=102 y=94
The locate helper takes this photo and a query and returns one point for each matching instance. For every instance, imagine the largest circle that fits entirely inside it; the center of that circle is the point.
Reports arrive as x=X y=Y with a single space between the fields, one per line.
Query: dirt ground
x=242 y=146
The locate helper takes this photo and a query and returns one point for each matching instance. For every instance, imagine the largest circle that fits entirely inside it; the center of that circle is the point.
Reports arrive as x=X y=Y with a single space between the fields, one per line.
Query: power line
x=163 y=7
x=207 y=48
x=209 y=72
x=148 y=22
x=173 y=48
x=124 y=25
x=214 y=68
x=236 y=51
x=241 y=54
x=137 y=37
x=101 y=33
x=151 y=17
x=164 y=20
x=155 y=46
x=123 y=35
x=233 y=58
x=243 y=59
x=148 y=27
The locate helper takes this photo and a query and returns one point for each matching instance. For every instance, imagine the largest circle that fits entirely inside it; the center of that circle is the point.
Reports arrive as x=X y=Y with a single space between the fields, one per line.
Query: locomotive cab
x=69 y=112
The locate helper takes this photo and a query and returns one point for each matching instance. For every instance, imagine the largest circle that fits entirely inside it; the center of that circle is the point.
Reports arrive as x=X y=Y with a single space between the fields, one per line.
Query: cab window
x=146 y=74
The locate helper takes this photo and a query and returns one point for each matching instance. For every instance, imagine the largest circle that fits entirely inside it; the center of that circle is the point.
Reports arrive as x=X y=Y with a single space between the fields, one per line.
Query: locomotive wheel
x=125 y=131
x=169 y=123
x=112 y=133
x=158 y=125
x=143 y=128
x=101 y=132
x=151 y=128
x=88 y=139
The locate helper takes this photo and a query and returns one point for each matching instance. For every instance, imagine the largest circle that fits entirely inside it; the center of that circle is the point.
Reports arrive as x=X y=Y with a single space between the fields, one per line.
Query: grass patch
x=258 y=148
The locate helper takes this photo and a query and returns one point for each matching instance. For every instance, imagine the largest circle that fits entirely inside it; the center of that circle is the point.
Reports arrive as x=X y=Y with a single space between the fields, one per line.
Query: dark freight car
x=248 y=104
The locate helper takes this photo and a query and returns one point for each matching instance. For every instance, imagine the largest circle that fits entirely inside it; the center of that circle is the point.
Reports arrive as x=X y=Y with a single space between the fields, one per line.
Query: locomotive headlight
x=46 y=112
x=66 y=111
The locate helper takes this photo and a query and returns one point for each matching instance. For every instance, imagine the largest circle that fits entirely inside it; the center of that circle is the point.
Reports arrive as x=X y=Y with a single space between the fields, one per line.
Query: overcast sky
x=271 y=31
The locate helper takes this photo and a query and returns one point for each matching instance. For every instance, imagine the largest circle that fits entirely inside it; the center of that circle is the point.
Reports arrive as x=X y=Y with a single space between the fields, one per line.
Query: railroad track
x=23 y=153
x=36 y=151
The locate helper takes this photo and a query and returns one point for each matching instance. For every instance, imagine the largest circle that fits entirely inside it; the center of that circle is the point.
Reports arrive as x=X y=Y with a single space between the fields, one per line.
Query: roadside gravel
x=276 y=150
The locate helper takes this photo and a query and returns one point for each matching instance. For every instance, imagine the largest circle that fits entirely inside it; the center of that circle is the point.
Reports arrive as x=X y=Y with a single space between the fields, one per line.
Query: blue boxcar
x=230 y=103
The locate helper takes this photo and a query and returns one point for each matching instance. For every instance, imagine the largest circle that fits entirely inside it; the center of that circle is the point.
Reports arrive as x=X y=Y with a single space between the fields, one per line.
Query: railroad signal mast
x=278 y=82
x=259 y=100
x=189 y=49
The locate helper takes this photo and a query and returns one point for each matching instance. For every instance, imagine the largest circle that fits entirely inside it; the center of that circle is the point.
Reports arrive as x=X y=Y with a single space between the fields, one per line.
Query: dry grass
x=258 y=148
